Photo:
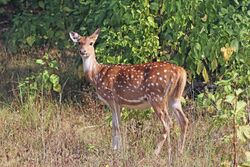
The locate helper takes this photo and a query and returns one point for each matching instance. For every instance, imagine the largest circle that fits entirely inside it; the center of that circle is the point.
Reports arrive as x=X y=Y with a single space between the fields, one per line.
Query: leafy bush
x=44 y=81
x=42 y=23
x=197 y=30
x=196 y=34
x=229 y=101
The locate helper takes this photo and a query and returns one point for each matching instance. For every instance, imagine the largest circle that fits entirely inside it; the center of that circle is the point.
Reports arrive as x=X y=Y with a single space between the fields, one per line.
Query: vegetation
x=49 y=115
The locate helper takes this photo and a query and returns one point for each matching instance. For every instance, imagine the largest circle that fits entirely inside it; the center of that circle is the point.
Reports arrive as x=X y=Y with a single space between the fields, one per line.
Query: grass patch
x=46 y=134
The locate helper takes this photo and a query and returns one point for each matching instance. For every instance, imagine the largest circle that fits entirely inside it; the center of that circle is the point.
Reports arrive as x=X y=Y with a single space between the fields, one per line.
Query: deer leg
x=116 y=133
x=166 y=121
x=182 y=120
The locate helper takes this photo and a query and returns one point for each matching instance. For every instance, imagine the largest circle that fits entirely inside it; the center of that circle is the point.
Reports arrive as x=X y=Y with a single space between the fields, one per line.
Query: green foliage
x=44 y=81
x=4 y=2
x=43 y=23
x=199 y=29
x=132 y=37
x=129 y=114
x=230 y=102
x=204 y=36
x=137 y=114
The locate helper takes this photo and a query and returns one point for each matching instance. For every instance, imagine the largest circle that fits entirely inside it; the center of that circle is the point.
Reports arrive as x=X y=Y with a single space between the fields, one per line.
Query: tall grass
x=42 y=133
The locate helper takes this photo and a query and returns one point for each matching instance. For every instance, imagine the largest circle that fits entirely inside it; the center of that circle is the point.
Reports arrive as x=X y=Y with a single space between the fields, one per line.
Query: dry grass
x=45 y=134
x=77 y=132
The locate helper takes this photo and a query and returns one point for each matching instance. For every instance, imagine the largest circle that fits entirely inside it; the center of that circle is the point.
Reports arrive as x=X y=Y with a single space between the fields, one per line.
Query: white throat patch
x=87 y=64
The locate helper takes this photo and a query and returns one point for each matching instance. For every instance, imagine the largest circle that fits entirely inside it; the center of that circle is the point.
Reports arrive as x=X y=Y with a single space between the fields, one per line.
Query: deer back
x=132 y=85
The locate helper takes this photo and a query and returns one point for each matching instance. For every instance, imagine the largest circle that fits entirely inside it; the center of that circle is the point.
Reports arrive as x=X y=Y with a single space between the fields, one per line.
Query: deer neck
x=91 y=68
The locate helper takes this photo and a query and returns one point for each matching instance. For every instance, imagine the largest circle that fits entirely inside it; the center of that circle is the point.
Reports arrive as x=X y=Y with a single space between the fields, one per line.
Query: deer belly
x=135 y=102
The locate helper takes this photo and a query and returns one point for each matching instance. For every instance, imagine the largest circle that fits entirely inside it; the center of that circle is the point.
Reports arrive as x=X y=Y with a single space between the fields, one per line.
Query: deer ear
x=95 y=35
x=75 y=37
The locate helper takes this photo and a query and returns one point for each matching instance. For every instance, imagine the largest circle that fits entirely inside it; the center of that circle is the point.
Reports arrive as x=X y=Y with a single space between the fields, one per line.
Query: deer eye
x=91 y=43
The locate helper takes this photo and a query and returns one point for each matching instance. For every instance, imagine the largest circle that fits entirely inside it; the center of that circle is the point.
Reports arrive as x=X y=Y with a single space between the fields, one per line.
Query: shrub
x=196 y=34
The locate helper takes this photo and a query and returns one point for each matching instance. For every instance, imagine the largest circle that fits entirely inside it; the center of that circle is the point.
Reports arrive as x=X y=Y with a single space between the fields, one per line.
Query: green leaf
x=240 y=105
x=239 y=91
x=235 y=44
x=33 y=86
x=211 y=96
x=57 y=88
x=54 y=79
x=199 y=67
x=41 y=4
x=205 y=75
x=40 y=61
x=30 y=40
x=67 y=9
x=218 y=104
x=45 y=75
x=46 y=56
x=228 y=89
x=197 y=46
x=224 y=11
x=84 y=2
x=237 y=2
x=154 y=6
x=223 y=82
x=151 y=21
x=53 y=64
x=214 y=64
x=229 y=99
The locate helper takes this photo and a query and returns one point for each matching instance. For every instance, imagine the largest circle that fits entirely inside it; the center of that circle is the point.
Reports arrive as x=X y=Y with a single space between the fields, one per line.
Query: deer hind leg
x=163 y=115
x=175 y=105
x=116 y=132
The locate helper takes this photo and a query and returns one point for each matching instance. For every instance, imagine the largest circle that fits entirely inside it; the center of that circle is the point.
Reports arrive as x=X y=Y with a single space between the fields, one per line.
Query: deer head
x=86 y=49
x=85 y=44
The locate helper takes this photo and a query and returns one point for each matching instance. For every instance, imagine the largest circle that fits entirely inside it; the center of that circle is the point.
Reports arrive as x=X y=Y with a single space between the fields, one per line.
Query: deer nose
x=82 y=51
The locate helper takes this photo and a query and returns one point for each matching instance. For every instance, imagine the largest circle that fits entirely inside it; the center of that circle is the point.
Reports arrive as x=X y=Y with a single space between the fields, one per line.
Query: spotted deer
x=158 y=85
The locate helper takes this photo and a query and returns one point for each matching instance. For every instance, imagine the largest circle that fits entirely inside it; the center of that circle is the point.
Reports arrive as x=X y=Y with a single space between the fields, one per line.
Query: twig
x=60 y=94
x=235 y=161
